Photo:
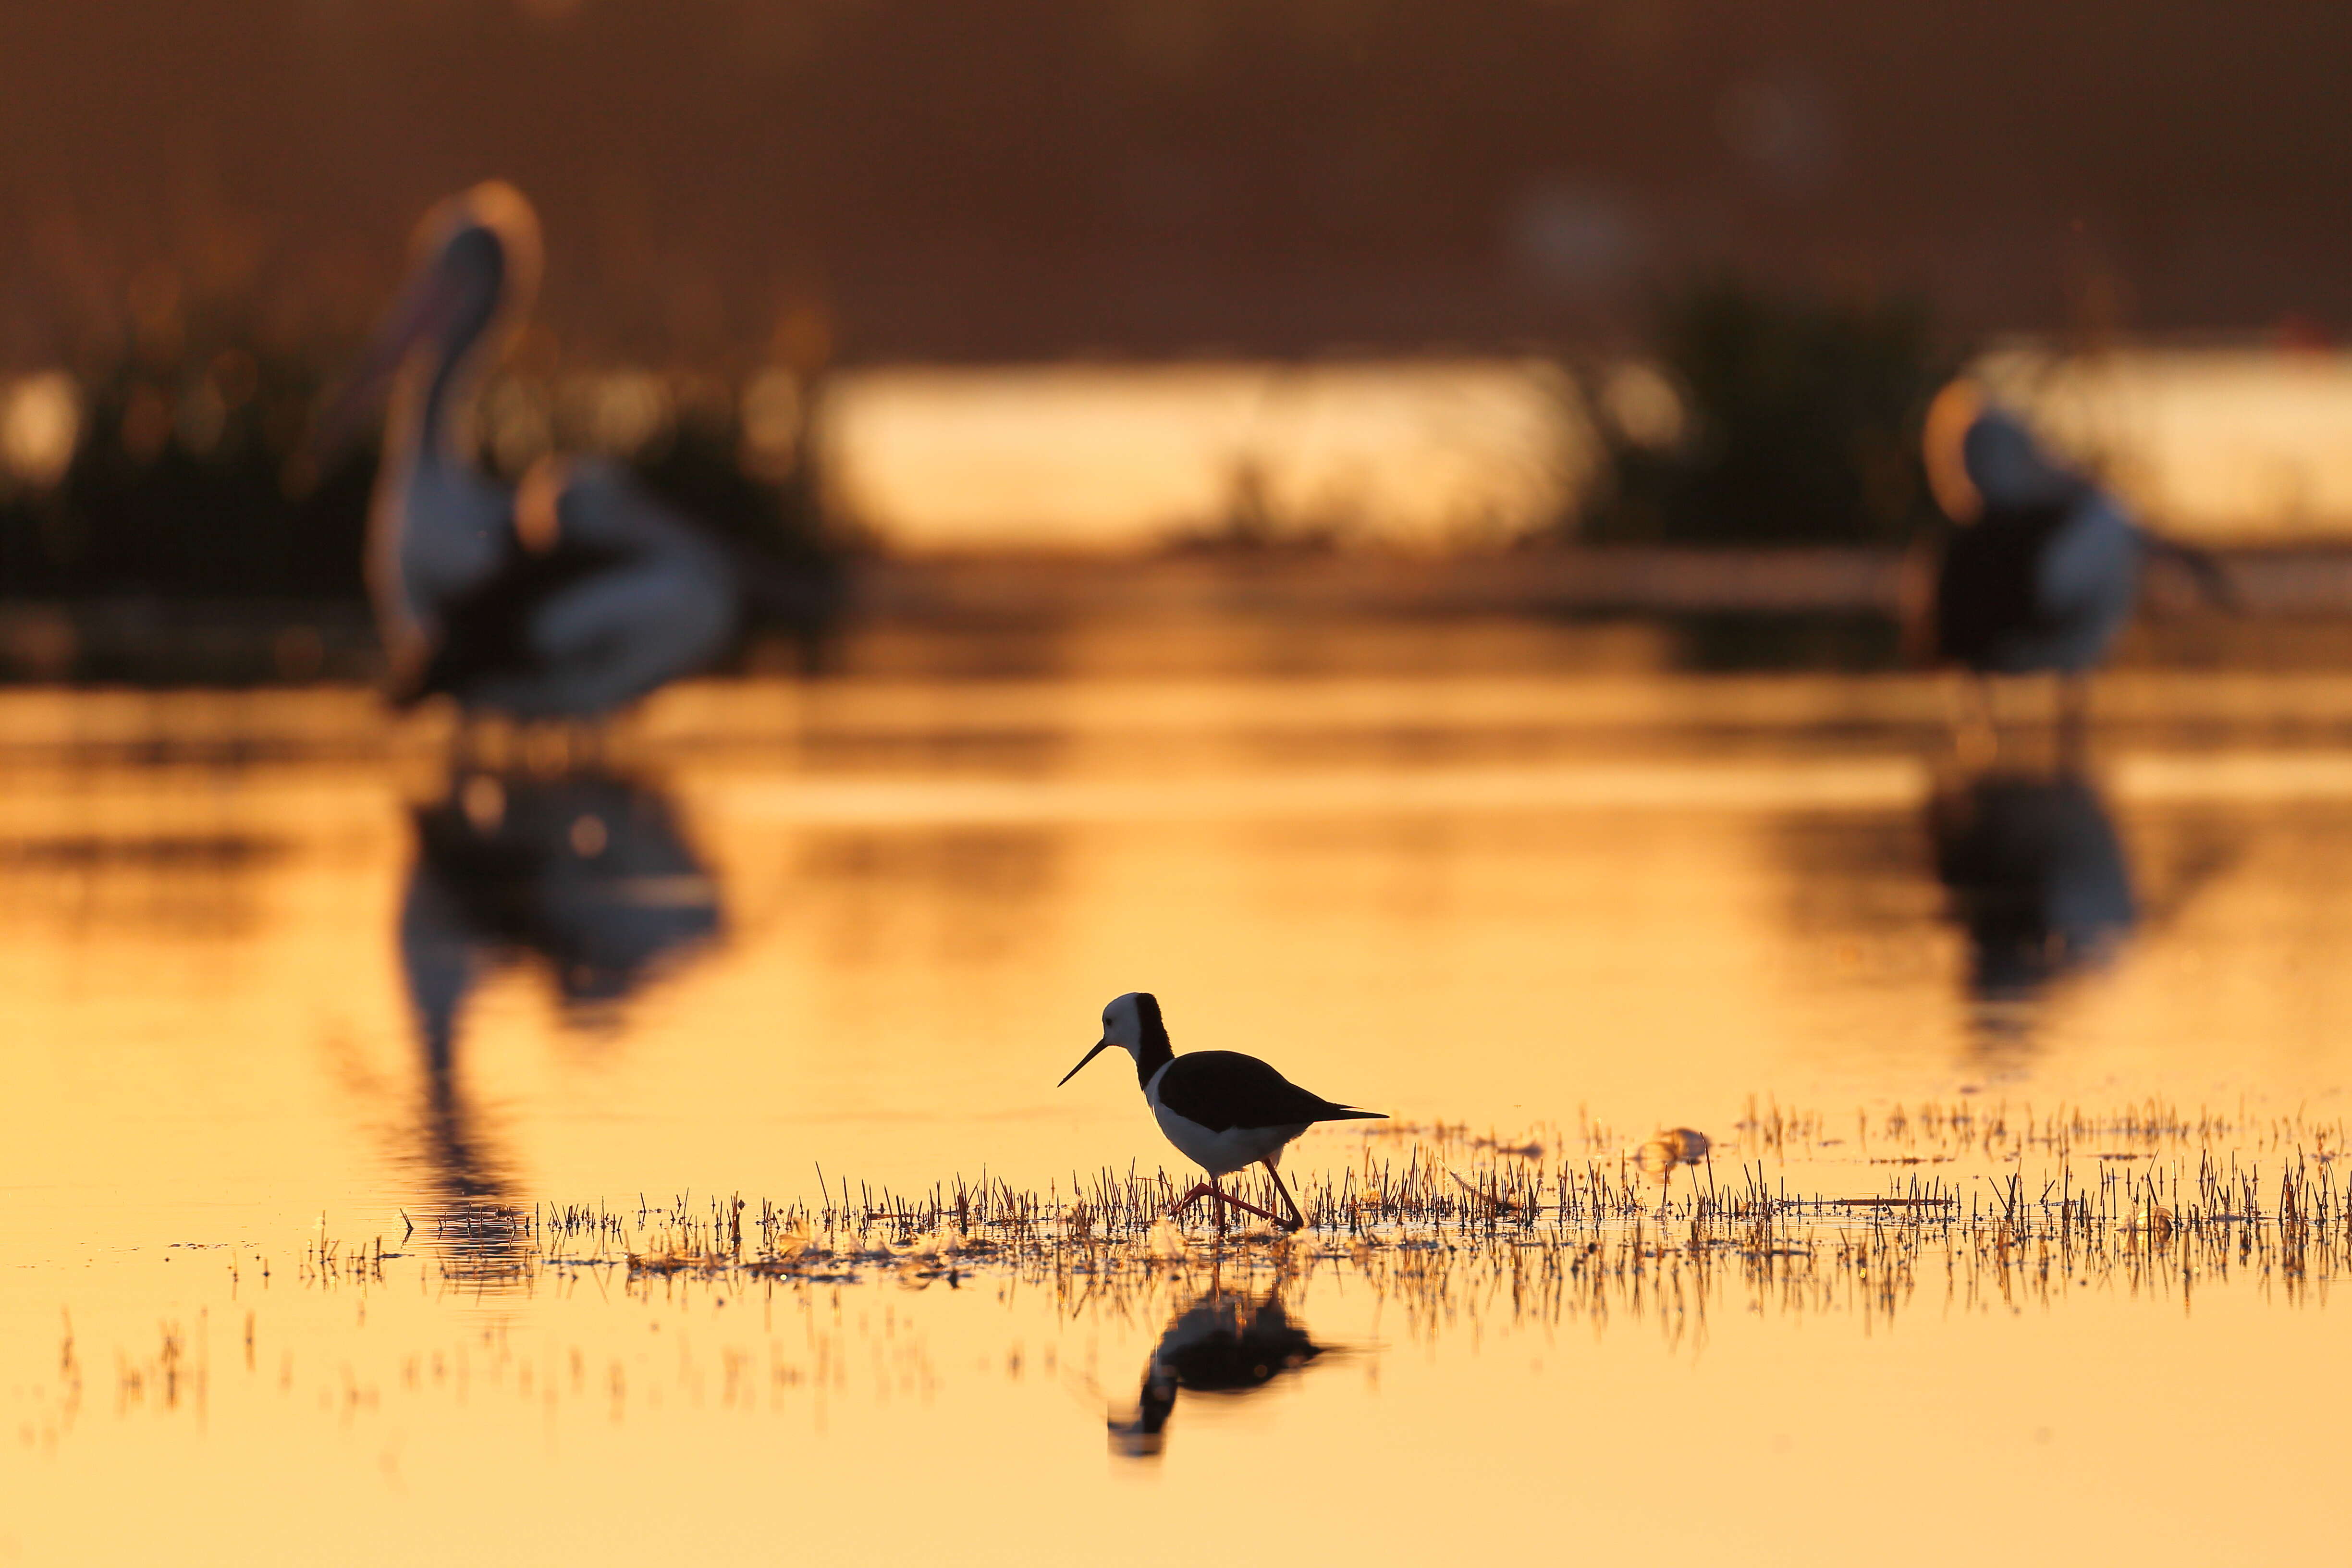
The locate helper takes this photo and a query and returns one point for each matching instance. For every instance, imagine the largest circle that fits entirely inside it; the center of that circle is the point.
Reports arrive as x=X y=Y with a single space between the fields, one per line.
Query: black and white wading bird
x=567 y=596
x=2042 y=568
x=1222 y=1109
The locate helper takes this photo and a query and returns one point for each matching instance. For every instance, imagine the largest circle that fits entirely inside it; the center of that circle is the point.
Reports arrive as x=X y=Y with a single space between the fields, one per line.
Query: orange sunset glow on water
x=1174 y=782
x=305 y=1271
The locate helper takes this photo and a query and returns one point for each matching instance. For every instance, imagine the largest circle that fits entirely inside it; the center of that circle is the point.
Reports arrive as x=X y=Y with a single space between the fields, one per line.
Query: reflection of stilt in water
x=586 y=874
x=1226 y=1342
x=2039 y=882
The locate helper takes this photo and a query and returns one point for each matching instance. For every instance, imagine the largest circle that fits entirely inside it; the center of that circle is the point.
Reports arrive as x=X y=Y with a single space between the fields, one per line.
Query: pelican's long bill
x=1100 y=1046
x=421 y=314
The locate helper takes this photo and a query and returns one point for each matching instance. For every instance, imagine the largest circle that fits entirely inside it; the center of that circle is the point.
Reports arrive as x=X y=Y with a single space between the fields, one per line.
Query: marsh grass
x=1865 y=1219
x=1995 y=1204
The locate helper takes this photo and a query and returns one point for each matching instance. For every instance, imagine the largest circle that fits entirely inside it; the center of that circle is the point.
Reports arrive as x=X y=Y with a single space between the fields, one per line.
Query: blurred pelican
x=566 y=597
x=2038 y=879
x=1225 y=1342
x=586 y=873
x=2041 y=570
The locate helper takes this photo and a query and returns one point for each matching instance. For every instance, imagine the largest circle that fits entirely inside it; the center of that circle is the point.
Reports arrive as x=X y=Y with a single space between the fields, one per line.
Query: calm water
x=273 y=980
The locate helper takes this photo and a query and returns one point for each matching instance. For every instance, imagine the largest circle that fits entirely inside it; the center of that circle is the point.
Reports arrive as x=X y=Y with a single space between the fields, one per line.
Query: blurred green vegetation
x=1769 y=419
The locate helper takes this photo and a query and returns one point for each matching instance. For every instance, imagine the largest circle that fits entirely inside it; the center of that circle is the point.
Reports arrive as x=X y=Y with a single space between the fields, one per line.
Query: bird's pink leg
x=1212 y=1191
x=1227 y=1198
x=1296 y=1221
x=1205 y=1190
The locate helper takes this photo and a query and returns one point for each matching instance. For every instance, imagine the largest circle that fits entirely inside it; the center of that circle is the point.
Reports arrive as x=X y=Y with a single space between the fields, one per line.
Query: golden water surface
x=274 y=982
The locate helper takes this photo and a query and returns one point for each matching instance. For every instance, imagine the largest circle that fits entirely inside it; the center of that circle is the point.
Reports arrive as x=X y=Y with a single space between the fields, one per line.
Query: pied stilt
x=1222 y=1109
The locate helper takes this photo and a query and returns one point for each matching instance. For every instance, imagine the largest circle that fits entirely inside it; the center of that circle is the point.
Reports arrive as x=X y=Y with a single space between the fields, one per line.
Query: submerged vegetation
x=1957 y=1208
x=1794 y=1211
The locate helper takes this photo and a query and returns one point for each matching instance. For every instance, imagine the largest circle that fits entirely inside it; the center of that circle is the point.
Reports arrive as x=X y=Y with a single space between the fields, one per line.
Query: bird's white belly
x=1221 y=1154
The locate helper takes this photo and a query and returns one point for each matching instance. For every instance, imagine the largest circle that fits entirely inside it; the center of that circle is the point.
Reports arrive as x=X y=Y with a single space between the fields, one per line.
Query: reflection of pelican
x=567 y=598
x=586 y=873
x=1224 y=1342
x=2038 y=879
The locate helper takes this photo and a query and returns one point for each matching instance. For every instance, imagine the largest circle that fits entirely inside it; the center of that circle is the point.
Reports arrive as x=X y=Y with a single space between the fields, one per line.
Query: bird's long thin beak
x=420 y=312
x=1100 y=1046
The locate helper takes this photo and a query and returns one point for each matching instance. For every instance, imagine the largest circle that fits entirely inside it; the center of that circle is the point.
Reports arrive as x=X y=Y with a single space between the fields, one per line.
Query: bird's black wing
x=486 y=635
x=1223 y=1090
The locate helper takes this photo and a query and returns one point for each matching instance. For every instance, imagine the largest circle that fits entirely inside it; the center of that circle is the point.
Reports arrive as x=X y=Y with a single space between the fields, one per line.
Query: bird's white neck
x=441 y=527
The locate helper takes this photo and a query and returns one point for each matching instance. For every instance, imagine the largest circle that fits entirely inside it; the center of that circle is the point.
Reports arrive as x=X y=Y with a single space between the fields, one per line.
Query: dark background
x=1025 y=178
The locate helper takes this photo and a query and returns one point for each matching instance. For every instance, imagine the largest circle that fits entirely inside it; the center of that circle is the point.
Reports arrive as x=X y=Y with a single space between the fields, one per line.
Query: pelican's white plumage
x=2044 y=568
x=568 y=597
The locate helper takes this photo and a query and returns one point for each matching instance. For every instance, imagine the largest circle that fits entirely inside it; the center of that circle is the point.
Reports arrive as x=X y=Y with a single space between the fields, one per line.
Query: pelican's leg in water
x=1976 y=732
x=543 y=746
x=485 y=743
x=1296 y=1221
x=2074 y=720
